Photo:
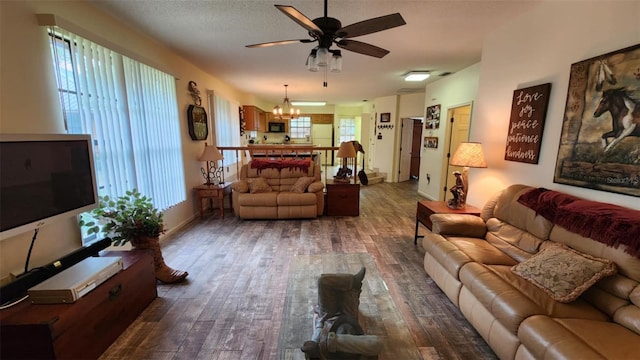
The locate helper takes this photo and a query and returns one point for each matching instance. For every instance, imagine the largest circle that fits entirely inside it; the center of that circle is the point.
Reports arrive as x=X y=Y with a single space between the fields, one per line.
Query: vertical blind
x=131 y=111
x=227 y=120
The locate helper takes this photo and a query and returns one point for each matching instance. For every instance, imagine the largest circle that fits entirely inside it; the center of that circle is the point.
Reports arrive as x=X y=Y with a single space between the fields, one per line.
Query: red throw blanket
x=280 y=164
x=609 y=224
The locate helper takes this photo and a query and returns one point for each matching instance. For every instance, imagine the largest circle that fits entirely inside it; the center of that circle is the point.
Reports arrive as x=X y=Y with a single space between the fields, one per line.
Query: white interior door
x=404 y=173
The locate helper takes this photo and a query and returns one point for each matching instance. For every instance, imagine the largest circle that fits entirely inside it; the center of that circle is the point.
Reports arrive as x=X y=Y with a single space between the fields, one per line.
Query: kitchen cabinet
x=255 y=119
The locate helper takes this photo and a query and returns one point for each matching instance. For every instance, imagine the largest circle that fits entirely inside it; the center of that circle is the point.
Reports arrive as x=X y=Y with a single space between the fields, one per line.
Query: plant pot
x=164 y=273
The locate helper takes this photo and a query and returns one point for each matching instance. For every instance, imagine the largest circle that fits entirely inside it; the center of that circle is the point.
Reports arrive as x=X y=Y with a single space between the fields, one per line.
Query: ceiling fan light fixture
x=322 y=54
x=312 y=61
x=417 y=75
x=336 y=61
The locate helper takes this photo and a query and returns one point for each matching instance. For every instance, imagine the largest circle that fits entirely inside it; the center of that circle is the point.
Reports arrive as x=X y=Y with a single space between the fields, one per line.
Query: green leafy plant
x=128 y=217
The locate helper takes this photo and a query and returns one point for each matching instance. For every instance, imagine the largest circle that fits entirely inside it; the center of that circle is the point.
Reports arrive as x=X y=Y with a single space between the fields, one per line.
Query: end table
x=210 y=192
x=427 y=208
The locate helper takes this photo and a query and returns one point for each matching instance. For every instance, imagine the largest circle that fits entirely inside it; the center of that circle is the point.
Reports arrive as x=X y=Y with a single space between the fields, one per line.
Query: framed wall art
x=385 y=117
x=528 y=112
x=432 y=119
x=600 y=140
x=430 y=142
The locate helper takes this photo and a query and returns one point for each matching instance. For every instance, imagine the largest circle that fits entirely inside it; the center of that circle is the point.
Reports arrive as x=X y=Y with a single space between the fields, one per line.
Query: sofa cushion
x=296 y=199
x=479 y=250
x=564 y=273
x=268 y=199
x=302 y=184
x=240 y=186
x=549 y=338
x=508 y=209
x=258 y=185
x=458 y=224
x=508 y=233
x=511 y=299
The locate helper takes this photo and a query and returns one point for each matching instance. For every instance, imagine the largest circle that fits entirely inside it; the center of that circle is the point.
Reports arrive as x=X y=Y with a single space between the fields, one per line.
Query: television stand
x=86 y=328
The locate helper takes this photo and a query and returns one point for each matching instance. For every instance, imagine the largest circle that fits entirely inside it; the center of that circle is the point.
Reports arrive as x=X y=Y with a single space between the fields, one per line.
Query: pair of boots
x=164 y=273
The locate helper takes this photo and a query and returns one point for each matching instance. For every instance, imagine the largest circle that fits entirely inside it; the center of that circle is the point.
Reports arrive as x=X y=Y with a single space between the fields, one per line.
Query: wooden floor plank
x=234 y=304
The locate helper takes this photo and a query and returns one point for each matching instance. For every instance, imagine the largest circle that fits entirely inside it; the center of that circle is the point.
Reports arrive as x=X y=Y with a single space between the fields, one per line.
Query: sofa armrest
x=240 y=186
x=315 y=186
x=458 y=224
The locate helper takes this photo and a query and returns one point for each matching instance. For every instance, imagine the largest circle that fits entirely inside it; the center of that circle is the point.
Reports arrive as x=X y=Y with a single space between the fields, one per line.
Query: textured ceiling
x=440 y=36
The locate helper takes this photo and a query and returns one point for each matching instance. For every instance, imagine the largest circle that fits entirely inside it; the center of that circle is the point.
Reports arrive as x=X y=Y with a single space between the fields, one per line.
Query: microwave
x=277 y=127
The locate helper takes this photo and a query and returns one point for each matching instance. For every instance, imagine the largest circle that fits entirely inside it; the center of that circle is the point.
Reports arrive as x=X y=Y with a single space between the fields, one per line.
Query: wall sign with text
x=528 y=112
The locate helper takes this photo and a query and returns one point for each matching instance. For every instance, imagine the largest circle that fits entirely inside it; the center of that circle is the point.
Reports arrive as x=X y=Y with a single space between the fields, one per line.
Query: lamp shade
x=346 y=150
x=210 y=153
x=469 y=154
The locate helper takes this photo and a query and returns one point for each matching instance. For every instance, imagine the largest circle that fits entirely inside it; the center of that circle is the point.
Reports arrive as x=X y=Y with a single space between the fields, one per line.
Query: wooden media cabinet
x=86 y=328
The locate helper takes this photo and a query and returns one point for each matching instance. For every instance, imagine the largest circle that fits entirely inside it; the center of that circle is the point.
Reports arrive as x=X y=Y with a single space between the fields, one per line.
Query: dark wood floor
x=232 y=305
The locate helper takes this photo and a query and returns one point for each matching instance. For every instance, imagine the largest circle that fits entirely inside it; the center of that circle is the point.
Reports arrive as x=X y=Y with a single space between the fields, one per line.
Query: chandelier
x=287 y=109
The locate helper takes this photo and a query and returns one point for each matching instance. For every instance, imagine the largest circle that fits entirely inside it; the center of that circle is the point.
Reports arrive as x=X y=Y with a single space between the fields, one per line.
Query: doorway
x=459 y=125
x=410 y=141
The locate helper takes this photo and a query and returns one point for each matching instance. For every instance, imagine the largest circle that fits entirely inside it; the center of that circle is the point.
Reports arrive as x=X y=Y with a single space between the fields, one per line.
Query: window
x=300 y=127
x=227 y=118
x=131 y=111
x=347 y=130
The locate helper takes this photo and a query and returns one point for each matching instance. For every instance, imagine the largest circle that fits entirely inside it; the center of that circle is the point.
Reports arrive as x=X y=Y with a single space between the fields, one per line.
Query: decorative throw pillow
x=302 y=184
x=258 y=185
x=562 y=272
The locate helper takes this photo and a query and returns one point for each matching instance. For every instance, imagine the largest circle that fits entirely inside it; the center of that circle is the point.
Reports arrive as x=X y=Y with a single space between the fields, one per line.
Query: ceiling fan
x=327 y=31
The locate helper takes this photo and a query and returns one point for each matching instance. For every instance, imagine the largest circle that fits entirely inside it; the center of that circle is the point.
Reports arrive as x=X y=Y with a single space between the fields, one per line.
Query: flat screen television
x=44 y=178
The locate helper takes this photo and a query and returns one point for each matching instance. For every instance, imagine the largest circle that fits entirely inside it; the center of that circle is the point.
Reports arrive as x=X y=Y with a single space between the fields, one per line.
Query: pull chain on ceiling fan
x=327 y=31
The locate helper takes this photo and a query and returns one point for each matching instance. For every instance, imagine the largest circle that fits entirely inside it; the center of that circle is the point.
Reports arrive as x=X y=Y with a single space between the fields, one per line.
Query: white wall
x=383 y=149
x=29 y=104
x=385 y=152
x=536 y=48
x=452 y=91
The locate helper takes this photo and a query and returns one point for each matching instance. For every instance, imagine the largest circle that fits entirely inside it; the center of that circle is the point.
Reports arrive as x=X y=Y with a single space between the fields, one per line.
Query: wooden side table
x=427 y=208
x=210 y=192
x=343 y=199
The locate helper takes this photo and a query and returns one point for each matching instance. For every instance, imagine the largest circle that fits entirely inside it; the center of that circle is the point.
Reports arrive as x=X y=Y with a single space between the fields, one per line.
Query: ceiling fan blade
x=362 y=48
x=300 y=18
x=281 y=42
x=371 y=25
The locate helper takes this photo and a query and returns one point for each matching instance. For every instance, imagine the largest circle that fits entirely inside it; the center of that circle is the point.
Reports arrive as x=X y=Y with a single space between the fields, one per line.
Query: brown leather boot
x=164 y=273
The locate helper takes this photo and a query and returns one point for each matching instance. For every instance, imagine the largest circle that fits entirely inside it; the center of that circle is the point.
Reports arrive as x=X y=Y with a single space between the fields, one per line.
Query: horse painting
x=625 y=115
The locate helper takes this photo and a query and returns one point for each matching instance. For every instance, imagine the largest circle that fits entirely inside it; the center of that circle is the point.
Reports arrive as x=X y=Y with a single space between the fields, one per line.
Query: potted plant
x=133 y=218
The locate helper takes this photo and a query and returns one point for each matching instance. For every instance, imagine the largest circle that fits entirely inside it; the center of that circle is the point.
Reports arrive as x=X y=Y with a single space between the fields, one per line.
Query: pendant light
x=287 y=109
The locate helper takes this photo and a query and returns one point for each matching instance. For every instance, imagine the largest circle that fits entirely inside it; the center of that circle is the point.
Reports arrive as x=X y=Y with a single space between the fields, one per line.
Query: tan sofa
x=471 y=260
x=279 y=202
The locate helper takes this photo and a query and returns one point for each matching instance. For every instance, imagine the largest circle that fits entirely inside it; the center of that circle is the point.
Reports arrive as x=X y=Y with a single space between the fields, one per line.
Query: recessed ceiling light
x=416 y=76
x=308 y=103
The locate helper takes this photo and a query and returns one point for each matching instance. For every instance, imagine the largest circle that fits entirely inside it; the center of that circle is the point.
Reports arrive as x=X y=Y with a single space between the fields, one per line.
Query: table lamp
x=346 y=151
x=213 y=174
x=468 y=154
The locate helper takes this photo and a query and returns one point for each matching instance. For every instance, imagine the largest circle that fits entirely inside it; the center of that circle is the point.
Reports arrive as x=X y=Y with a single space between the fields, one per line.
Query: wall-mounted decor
x=600 y=141
x=196 y=115
x=430 y=142
x=197 y=118
x=385 y=117
x=432 y=120
x=242 y=122
x=528 y=111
